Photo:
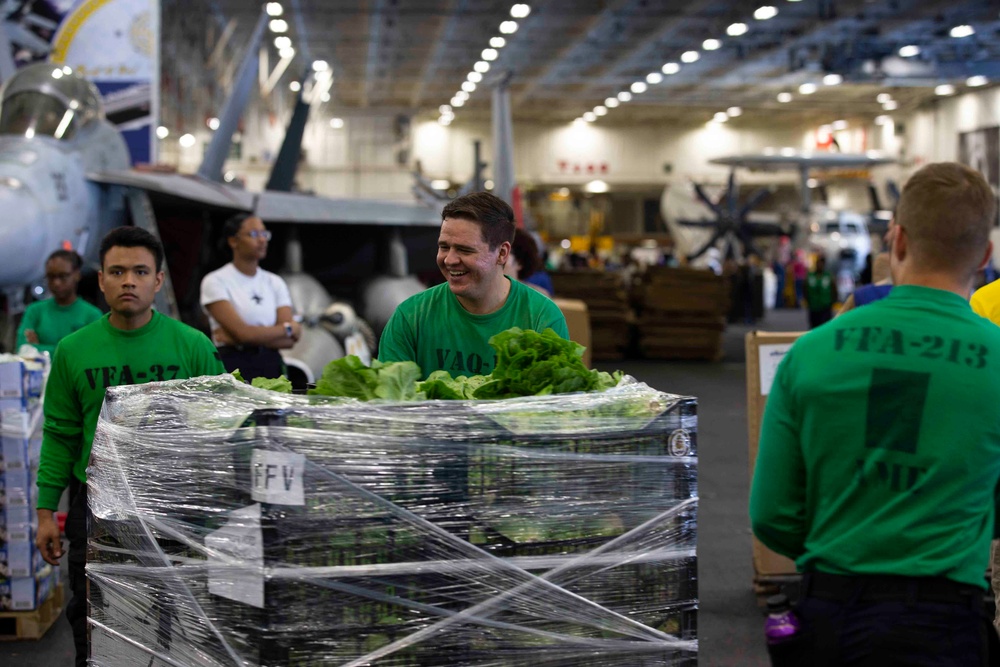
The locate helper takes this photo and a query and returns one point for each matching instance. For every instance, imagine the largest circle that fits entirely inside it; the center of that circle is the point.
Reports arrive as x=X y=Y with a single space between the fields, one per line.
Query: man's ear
x=159 y=281
x=100 y=281
x=504 y=253
x=900 y=244
x=986 y=256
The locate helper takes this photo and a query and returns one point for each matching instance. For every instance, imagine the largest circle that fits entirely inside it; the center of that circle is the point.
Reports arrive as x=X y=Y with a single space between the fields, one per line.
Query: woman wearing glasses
x=47 y=322
x=249 y=309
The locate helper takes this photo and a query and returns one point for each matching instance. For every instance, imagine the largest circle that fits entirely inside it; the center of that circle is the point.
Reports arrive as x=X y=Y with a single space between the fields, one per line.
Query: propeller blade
x=732 y=195
x=704 y=224
x=755 y=199
x=705 y=200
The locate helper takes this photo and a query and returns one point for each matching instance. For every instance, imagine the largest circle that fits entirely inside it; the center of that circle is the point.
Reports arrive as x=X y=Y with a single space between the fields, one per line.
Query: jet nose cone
x=24 y=242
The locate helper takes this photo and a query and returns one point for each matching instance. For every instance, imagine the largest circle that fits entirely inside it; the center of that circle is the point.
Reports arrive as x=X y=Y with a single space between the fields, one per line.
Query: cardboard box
x=27 y=593
x=578 y=323
x=764 y=349
x=19 y=379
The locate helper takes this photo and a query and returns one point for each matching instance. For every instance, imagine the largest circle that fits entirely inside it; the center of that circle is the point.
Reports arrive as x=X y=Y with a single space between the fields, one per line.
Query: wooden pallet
x=24 y=625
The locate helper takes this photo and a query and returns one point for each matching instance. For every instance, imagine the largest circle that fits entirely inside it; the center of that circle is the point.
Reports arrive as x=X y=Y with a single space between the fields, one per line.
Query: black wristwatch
x=288 y=330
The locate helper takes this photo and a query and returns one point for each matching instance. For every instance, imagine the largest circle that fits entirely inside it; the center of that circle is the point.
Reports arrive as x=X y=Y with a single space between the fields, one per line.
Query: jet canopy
x=47 y=99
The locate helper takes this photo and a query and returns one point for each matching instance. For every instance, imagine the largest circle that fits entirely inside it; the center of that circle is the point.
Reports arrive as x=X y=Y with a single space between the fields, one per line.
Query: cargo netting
x=238 y=526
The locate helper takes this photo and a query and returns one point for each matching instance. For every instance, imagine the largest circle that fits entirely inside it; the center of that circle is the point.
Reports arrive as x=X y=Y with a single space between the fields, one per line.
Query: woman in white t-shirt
x=249 y=309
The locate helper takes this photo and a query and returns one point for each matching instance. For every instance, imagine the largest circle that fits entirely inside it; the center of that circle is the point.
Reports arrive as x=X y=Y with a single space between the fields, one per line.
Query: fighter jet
x=65 y=181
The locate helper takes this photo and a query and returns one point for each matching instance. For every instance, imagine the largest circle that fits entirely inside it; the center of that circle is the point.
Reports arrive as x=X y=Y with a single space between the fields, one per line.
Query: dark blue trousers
x=886 y=634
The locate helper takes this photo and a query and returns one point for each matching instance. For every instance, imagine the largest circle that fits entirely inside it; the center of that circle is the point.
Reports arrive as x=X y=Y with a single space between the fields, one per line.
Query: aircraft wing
x=278 y=207
x=177 y=186
x=799 y=159
x=275 y=207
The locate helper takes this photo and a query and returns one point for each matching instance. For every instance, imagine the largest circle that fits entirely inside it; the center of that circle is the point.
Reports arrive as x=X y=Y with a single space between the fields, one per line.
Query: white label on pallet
x=277 y=477
x=770 y=357
x=236 y=558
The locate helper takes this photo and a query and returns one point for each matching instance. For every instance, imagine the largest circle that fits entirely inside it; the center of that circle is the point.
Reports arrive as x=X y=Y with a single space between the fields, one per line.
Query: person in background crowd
x=799 y=271
x=880 y=451
x=821 y=292
x=448 y=327
x=133 y=344
x=877 y=290
x=249 y=309
x=48 y=321
x=525 y=264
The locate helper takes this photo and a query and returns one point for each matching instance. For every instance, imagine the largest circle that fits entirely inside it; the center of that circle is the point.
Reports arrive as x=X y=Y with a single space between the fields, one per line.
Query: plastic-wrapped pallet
x=236 y=526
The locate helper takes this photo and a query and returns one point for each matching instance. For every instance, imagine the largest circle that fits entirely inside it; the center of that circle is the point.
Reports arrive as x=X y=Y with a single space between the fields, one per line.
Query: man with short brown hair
x=448 y=327
x=880 y=450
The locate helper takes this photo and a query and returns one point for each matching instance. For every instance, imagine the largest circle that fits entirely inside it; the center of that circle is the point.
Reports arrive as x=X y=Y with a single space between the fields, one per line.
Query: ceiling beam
x=587 y=33
x=443 y=37
x=376 y=23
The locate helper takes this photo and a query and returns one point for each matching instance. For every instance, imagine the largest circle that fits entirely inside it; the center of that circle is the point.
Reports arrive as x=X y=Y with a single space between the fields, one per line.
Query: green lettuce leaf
x=280 y=384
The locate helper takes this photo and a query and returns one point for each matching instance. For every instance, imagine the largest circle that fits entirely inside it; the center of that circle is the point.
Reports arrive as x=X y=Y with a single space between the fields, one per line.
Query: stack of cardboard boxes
x=683 y=313
x=26 y=580
x=610 y=313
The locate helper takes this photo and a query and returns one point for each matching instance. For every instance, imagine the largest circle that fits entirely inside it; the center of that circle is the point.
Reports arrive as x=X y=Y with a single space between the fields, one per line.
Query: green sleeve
x=555 y=320
x=62 y=435
x=208 y=361
x=778 y=489
x=397 y=342
x=30 y=321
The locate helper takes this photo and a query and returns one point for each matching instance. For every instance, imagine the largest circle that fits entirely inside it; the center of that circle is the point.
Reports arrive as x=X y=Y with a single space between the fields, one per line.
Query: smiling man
x=133 y=344
x=448 y=327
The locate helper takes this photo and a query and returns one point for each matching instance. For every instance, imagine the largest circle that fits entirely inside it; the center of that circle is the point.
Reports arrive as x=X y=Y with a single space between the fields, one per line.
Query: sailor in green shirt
x=448 y=327
x=132 y=345
x=821 y=292
x=880 y=449
x=47 y=322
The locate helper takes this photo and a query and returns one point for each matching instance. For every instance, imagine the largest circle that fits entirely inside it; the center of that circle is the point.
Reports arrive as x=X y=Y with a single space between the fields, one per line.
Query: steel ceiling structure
x=568 y=56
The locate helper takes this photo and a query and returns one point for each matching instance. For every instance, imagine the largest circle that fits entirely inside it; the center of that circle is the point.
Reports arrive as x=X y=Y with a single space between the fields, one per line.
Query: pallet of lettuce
x=544 y=514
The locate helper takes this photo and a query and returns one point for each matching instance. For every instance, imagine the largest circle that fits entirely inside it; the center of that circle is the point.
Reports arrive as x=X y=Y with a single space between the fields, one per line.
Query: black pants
x=77 y=522
x=818 y=317
x=859 y=624
x=252 y=361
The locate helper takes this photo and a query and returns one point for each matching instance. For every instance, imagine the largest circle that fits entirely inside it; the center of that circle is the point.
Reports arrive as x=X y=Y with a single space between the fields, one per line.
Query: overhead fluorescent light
x=690 y=56
x=520 y=11
x=766 y=12
x=960 y=31
x=833 y=80
x=711 y=44
x=671 y=68
x=654 y=77
x=736 y=29
x=638 y=87
x=909 y=51
x=807 y=88
x=784 y=98
x=945 y=89
x=977 y=80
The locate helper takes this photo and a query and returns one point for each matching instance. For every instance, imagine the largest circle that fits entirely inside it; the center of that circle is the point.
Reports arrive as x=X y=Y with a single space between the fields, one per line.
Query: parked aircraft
x=65 y=181
x=820 y=219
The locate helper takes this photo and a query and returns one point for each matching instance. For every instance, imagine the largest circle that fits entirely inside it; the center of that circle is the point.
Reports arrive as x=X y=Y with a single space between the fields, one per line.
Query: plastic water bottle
x=782 y=624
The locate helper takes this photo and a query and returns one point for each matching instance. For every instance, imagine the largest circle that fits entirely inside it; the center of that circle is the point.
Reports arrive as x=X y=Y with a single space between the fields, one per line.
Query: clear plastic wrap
x=237 y=526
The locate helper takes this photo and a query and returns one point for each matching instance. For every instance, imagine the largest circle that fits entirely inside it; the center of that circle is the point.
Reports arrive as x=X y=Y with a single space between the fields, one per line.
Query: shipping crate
x=764 y=352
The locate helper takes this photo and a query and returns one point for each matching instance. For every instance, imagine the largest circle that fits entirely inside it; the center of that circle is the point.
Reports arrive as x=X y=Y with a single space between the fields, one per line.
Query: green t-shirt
x=53 y=322
x=89 y=361
x=819 y=290
x=434 y=330
x=880 y=445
